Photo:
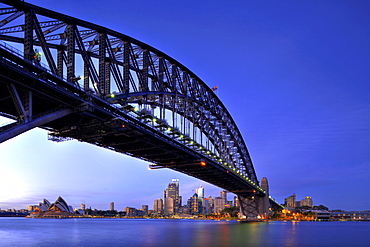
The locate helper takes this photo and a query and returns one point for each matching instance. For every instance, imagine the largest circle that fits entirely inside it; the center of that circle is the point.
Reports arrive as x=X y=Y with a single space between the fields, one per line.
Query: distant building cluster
x=171 y=204
x=291 y=202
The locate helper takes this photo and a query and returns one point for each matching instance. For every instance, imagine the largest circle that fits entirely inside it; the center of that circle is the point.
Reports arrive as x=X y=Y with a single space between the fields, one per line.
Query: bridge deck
x=97 y=122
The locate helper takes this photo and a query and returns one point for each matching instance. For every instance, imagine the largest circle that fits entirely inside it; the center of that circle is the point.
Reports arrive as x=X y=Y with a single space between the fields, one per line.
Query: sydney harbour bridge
x=130 y=98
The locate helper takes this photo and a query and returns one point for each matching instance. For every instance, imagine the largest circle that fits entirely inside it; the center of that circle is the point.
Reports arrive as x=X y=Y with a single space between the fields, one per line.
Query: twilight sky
x=293 y=74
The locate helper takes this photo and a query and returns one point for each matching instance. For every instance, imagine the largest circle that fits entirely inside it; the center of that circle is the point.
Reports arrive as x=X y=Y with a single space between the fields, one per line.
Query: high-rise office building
x=208 y=205
x=83 y=206
x=219 y=204
x=158 y=206
x=200 y=192
x=223 y=195
x=172 y=207
x=193 y=204
x=111 y=206
x=169 y=206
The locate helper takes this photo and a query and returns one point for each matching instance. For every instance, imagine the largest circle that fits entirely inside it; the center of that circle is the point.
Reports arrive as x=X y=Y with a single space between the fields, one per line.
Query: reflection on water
x=142 y=232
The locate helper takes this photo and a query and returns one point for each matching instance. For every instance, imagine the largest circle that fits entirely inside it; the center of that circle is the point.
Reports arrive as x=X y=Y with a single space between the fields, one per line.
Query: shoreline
x=184 y=218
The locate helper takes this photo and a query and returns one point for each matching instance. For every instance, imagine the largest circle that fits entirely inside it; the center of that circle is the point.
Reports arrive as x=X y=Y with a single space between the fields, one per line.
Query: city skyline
x=294 y=76
x=118 y=205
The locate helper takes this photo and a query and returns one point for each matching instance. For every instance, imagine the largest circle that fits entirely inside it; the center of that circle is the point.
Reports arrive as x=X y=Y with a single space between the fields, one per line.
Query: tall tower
x=223 y=195
x=264 y=201
x=172 y=200
x=111 y=206
x=200 y=192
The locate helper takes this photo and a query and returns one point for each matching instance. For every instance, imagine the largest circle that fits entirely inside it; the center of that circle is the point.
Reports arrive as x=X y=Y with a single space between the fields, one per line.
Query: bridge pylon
x=254 y=206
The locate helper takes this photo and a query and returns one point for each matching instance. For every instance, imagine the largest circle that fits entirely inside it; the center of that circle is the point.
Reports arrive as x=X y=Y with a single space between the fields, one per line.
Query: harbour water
x=181 y=232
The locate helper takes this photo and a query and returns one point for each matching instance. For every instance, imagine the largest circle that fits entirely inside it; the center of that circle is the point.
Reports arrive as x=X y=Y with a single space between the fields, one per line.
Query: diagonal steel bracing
x=153 y=95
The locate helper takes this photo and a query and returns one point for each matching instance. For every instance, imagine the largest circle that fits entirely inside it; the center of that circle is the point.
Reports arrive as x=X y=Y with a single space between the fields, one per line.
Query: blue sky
x=293 y=74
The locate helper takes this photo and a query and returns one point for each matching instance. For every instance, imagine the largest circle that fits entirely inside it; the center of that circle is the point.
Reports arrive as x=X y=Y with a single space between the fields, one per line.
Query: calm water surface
x=153 y=232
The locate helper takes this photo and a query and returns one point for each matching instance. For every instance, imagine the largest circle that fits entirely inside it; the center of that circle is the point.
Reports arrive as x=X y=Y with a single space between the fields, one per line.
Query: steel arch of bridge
x=133 y=77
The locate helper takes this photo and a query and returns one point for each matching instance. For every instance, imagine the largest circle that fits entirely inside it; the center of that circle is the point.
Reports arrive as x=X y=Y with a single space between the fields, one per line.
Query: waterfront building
x=172 y=191
x=158 y=206
x=111 y=206
x=307 y=201
x=145 y=208
x=58 y=209
x=322 y=214
x=350 y=216
x=130 y=212
x=290 y=201
x=141 y=212
x=83 y=206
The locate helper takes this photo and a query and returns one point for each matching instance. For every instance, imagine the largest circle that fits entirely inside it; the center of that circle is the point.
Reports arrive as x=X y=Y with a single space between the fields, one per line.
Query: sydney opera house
x=58 y=209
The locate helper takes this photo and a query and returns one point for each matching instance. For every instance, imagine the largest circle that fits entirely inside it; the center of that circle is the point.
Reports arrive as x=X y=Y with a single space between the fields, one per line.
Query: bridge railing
x=40 y=65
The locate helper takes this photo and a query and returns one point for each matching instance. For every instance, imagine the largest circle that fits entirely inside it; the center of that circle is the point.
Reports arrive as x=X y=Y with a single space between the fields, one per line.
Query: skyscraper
x=223 y=195
x=208 y=205
x=172 y=206
x=111 y=206
x=219 y=204
x=158 y=206
x=193 y=204
x=200 y=192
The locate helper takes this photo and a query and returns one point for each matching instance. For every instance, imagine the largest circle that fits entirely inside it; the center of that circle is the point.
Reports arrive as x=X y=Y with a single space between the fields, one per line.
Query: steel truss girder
x=23 y=127
x=133 y=67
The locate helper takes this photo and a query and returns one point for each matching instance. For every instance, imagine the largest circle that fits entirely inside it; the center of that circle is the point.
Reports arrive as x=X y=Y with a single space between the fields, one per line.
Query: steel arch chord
x=132 y=98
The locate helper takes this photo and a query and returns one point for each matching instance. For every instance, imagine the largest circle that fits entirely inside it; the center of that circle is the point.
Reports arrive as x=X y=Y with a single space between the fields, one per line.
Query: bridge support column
x=254 y=206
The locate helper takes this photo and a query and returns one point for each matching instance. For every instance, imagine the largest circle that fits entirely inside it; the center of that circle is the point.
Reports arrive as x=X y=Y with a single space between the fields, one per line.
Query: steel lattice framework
x=147 y=85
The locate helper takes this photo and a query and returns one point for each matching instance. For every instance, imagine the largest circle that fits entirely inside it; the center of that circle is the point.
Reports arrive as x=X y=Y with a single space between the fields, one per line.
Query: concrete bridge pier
x=254 y=206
